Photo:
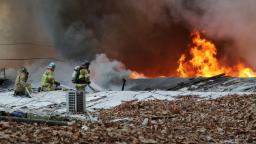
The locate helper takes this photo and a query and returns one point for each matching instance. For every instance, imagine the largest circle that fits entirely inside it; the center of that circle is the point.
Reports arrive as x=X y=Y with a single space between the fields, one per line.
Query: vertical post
x=4 y=74
x=124 y=81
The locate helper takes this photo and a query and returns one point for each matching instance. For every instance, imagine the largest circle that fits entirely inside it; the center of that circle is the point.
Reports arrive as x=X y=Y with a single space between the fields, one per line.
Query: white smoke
x=108 y=73
x=104 y=72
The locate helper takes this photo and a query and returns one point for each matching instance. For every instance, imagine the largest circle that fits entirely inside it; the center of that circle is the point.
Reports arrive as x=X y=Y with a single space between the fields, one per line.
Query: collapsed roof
x=219 y=83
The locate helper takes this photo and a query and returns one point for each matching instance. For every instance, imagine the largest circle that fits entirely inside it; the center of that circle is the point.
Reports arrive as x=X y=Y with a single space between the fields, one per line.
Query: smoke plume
x=130 y=31
x=147 y=36
x=108 y=73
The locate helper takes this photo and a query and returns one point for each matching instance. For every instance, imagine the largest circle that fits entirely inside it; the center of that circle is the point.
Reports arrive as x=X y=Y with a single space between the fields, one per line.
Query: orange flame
x=136 y=75
x=205 y=63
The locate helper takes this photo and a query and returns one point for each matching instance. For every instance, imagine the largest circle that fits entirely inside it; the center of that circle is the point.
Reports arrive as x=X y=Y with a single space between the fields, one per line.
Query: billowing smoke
x=143 y=35
x=108 y=73
x=147 y=36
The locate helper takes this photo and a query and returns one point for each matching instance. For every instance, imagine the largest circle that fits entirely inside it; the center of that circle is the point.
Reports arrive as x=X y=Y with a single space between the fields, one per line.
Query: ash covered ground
x=45 y=103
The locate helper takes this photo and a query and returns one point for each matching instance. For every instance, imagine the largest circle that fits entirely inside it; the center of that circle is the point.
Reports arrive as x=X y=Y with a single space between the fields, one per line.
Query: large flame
x=204 y=62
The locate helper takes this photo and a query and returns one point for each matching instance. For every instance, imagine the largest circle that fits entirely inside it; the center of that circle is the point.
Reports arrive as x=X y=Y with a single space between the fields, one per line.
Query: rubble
x=229 y=119
x=201 y=111
x=218 y=83
x=54 y=103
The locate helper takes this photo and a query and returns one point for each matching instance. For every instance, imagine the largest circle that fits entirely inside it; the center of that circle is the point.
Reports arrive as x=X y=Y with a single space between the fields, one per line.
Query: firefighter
x=48 y=83
x=22 y=87
x=81 y=76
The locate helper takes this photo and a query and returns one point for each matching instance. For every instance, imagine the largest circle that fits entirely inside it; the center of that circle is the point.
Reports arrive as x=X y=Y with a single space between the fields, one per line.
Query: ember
x=136 y=75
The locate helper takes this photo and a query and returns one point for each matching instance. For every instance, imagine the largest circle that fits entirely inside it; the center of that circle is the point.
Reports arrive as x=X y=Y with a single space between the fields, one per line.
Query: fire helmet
x=23 y=69
x=51 y=65
x=85 y=64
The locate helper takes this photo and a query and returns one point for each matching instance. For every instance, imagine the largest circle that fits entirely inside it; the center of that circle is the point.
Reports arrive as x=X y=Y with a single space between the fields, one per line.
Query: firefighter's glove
x=57 y=83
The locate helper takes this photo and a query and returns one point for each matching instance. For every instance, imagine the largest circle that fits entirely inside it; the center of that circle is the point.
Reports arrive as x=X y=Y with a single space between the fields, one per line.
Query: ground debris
x=230 y=119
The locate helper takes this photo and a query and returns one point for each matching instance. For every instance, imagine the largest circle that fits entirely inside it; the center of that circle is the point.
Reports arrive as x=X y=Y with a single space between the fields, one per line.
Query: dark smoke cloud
x=141 y=34
x=147 y=35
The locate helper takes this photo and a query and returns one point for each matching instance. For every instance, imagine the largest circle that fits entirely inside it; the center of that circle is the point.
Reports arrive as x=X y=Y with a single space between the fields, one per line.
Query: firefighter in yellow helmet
x=22 y=87
x=81 y=76
x=48 y=83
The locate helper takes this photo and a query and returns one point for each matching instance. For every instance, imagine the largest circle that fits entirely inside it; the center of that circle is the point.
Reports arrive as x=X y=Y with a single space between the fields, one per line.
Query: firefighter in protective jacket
x=22 y=88
x=81 y=76
x=48 y=83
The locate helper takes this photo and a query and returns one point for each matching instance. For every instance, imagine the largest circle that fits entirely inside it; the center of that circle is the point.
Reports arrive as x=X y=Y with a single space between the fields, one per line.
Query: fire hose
x=29 y=121
x=92 y=86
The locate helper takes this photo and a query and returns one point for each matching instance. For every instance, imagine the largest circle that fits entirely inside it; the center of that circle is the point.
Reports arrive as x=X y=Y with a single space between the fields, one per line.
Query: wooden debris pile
x=230 y=119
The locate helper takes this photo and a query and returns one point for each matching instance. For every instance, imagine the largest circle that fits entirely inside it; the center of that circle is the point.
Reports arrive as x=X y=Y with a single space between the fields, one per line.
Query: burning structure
x=132 y=40
x=204 y=62
x=173 y=59
x=148 y=37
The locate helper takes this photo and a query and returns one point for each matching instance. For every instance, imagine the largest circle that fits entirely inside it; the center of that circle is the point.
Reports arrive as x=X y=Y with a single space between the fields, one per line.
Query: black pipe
x=124 y=81
x=30 y=121
x=4 y=74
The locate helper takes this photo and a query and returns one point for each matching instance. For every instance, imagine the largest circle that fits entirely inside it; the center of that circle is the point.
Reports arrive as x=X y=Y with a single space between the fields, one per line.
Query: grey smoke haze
x=228 y=19
x=146 y=35
x=104 y=71
x=137 y=31
x=124 y=30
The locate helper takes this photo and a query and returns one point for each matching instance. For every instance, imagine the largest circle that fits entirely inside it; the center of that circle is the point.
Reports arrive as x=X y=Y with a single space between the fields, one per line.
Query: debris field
x=188 y=119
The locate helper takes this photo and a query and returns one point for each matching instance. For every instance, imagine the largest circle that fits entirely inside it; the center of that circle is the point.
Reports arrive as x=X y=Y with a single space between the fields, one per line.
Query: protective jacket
x=48 y=83
x=83 y=79
x=21 y=84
